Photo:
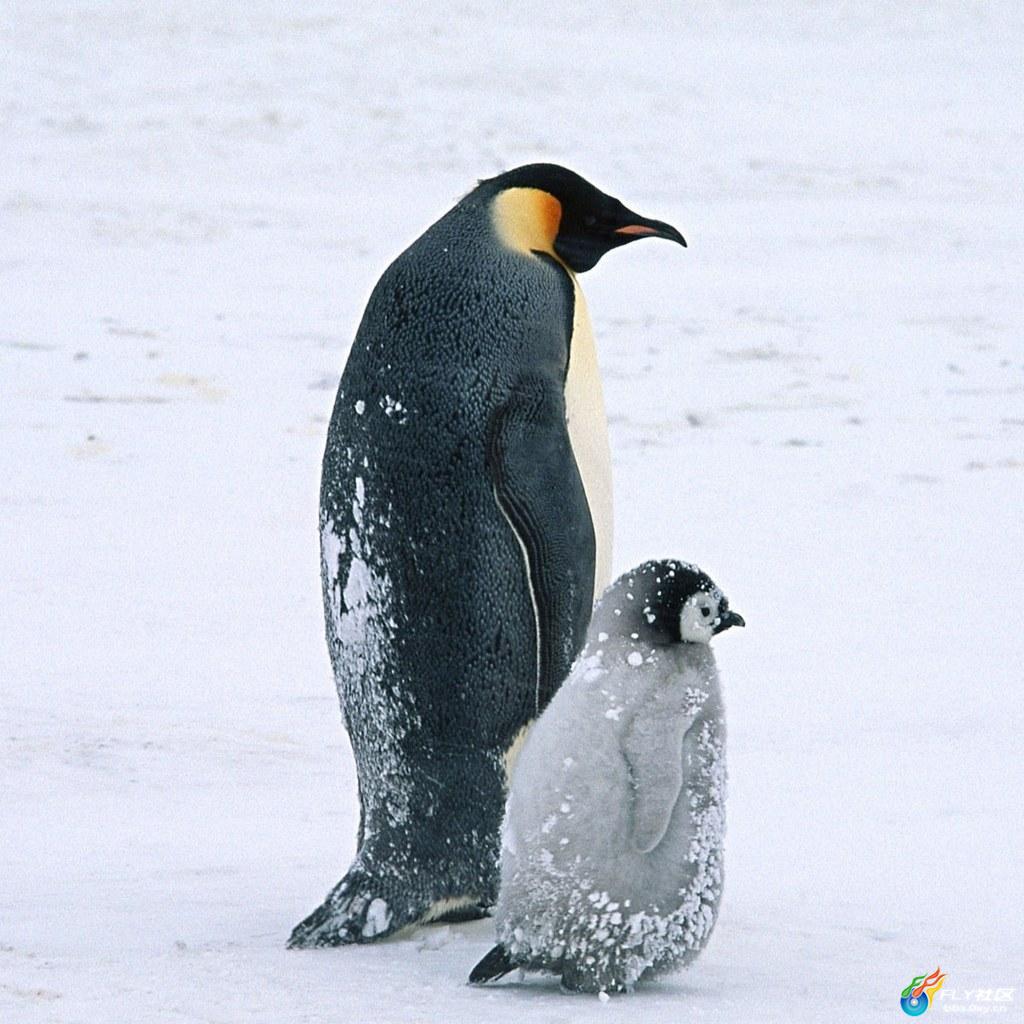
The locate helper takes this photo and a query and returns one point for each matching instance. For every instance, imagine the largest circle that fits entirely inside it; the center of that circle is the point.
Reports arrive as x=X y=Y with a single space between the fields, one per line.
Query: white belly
x=588 y=434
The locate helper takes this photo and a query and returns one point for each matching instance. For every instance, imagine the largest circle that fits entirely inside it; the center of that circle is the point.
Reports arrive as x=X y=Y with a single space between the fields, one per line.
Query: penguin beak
x=581 y=243
x=641 y=227
x=728 y=619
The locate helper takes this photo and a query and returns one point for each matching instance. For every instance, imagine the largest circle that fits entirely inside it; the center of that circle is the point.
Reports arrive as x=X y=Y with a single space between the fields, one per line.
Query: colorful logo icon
x=918 y=994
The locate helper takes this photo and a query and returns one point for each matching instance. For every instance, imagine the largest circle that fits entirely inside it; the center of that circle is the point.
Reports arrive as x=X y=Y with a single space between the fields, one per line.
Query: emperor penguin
x=611 y=867
x=465 y=528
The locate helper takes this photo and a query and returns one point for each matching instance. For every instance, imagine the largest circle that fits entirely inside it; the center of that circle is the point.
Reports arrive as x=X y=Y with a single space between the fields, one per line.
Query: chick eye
x=705 y=611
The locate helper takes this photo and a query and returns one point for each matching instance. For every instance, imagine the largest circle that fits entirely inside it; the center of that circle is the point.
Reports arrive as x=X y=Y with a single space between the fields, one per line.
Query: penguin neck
x=527 y=220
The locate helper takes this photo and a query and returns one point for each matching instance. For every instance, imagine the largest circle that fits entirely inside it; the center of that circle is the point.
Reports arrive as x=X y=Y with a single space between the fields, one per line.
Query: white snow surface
x=821 y=402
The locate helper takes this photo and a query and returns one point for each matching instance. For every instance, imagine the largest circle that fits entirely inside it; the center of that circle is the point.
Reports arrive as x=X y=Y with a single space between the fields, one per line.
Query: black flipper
x=538 y=486
x=493 y=966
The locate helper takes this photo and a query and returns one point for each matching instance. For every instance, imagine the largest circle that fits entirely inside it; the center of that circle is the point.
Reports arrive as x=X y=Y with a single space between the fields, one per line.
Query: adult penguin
x=465 y=522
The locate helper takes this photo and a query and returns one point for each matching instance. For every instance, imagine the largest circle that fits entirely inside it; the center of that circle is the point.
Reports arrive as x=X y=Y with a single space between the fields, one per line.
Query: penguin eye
x=589 y=221
x=705 y=611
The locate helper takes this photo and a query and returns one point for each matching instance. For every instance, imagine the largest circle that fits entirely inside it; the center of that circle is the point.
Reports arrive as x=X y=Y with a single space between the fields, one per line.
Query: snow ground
x=821 y=402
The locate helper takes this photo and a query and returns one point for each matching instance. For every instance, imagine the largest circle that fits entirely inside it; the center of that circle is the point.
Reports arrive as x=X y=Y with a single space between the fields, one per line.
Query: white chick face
x=704 y=614
x=699 y=615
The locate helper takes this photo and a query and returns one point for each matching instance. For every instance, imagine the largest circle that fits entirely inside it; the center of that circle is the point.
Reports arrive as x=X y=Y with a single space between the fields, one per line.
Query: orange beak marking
x=636 y=229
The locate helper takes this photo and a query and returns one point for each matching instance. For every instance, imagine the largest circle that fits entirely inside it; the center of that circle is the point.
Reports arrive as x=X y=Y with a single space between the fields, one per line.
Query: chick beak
x=728 y=619
x=641 y=227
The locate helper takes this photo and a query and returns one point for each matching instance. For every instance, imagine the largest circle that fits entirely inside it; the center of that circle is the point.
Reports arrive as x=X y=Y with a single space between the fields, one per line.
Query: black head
x=585 y=224
x=667 y=602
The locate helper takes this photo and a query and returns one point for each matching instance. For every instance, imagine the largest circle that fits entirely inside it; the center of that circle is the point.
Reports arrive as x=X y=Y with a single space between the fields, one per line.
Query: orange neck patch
x=526 y=219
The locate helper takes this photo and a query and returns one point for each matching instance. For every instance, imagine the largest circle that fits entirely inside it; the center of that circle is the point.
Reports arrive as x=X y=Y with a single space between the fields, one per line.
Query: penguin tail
x=495 y=965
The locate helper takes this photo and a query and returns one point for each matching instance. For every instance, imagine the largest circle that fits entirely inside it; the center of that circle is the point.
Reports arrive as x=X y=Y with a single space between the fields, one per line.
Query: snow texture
x=821 y=401
x=359 y=629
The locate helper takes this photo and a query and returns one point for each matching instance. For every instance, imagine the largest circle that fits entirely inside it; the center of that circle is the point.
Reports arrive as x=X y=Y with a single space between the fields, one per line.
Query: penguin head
x=547 y=208
x=670 y=602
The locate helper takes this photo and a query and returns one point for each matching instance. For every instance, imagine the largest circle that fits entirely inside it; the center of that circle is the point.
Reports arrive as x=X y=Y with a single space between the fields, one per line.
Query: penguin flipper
x=651 y=743
x=538 y=487
x=496 y=964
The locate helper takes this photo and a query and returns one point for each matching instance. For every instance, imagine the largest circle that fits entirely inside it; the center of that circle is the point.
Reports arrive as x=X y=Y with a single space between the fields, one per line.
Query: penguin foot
x=576 y=978
x=356 y=911
x=495 y=965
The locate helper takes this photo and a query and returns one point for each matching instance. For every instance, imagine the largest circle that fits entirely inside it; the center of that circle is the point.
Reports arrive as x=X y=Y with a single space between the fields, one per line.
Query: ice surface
x=821 y=402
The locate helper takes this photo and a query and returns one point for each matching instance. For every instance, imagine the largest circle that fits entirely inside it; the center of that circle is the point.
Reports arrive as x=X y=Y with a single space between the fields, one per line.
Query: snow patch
x=357 y=586
x=378 y=917
x=332 y=547
x=359 y=501
x=393 y=408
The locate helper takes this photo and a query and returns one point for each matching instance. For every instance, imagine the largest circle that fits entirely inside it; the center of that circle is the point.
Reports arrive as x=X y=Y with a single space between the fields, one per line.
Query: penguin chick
x=611 y=863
